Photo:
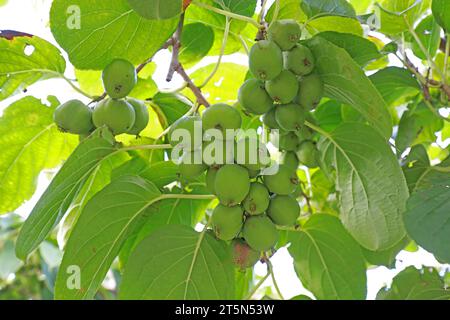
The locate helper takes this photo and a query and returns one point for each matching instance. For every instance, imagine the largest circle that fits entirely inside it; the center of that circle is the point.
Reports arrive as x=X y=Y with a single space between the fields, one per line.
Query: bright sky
x=33 y=18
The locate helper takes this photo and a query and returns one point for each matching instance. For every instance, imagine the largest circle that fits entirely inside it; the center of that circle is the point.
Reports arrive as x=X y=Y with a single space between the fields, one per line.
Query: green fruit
x=257 y=200
x=254 y=173
x=243 y=255
x=284 y=88
x=290 y=160
x=300 y=60
x=254 y=98
x=211 y=179
x=74 y=117
x=285 y=141
x=308 y=154
x=191 y=165
x=117 y=115
x=221 y=117
x=265 y=60
x=142 y=117
x=283 y=182
x=283 y=210
x=186 y=133
x=119 y=78
x=232 y=184
x=285 y=33
x=227 y=222
x=270 y=121
x=311 y=91
x=290 y=117
x=304 y=133
x=218 y=152
x=251 y=153
x=260 y=233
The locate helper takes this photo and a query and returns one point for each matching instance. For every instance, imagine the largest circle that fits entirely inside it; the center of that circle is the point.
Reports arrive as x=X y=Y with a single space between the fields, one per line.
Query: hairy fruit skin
x=189 y=124
x=290 y=160
x=119 y=78
x=285 y=33
x=117 y=115
x=227 y=222
x=300 y=61
x=190 y=166
x=290 y=117
x=74 y=117
x=311 y=91
x=284 y=88
x=269 y=119
x=221 y=117
x=283 y=210
x=260 y=233
x=257 y=200
x=243 y=255
x=251 y=154
x=265 y=60
x=288 y=141
x=232 y=184
x=254 y=98
x=284 y=182
x=308 y=154
x=211 y=179
x=142 y=116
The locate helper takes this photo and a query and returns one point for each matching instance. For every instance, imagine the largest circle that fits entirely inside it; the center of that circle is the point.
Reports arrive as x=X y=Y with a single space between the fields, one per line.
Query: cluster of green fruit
x=252 y=202
x=118 y=113
x=285 y=88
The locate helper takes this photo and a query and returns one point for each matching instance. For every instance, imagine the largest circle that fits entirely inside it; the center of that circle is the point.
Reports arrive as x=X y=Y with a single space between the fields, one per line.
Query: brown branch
x=262 y=32
x=175 y=66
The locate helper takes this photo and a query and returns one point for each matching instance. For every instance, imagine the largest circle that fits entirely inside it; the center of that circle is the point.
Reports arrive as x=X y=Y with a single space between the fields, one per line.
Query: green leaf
x=178 y=263
x=9 y=264
x=427 y=216
x=24 y=60
x=314 y=8
x=441 y=12
x=289 y=9
x=370 y=183
x=103 y=226
x=362 y=50
x=361 y=6
x=392 y=14
x=385 y=257
x=157 y=9
x=395 y=84
x=429 y=34
x=196 y=41
x=335 y=23
x=31 y=142
x=64 y=187
x=329 y=115
x=327 y=259
x=417 y=165
x=170 y=107
x=106 y=30
x=225 y=84
x=346 y=82
x=413 y=284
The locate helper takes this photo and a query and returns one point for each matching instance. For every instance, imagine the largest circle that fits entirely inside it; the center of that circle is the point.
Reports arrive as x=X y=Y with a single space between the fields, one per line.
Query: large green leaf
x=64 y=187
x=106 y=30
x=385 y=257
x=362 y=50
x=157 y=9
x=416 y=166
x=441 y=12
x=104 y=225
x=395 y=84
x=170 y=107
x=178 y=263
x=429 y=34
x=289 y=9
x=346 y=82
x=30 y=142
x=196 y=41
x=328 y=260
x=371 y=185
x=413 y=284
x=317 y=8
x=427 y=218
x=24 y=60
x=335 y=23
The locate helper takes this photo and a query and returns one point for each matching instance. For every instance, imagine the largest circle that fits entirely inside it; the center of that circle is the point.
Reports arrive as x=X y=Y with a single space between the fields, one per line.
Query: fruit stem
x=276 y=13
x=270 y=266
x=226 y=13
x=258 y=285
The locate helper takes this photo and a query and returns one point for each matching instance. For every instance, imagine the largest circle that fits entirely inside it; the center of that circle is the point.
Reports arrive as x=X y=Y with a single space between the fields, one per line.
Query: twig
x=275 y=284
x=262 y=32
x=258 y=285
x=175 y=66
